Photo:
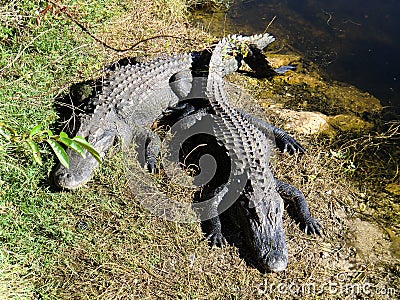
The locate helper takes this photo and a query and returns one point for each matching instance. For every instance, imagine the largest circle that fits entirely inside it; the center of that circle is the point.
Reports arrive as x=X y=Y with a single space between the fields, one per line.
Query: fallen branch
x=63 y=9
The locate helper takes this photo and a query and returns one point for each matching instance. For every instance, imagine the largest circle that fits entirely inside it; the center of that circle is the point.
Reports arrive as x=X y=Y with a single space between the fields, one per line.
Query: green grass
x=98 y=242
x=41 y=54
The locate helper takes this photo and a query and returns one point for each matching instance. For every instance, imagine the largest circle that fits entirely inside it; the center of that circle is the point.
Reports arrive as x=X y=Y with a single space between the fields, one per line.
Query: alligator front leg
x=176 y=113
x=207 y=209
x=289 y=192
x=152 y=151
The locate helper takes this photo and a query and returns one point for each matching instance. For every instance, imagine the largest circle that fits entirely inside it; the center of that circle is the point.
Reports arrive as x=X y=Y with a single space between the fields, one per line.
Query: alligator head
x=262 y=228
x=100 y=130
x=79 y=172
x=81 y=169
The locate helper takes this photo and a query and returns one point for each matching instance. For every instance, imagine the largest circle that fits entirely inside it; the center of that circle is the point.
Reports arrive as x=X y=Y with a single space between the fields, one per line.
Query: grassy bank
x=98 y=242
x=43 y=51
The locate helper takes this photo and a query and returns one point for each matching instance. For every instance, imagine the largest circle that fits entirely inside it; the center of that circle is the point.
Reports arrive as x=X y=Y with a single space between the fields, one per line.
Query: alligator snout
x=275 y=261
x=66 y=180
x=79 y=172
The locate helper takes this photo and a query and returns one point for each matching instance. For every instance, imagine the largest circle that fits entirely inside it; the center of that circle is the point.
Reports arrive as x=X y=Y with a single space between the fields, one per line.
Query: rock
x=349 y=123
x=304 y=122
x=310 y=123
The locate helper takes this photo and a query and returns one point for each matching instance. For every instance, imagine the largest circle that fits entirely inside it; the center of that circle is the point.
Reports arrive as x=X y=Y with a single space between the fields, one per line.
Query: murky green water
x=353 y=41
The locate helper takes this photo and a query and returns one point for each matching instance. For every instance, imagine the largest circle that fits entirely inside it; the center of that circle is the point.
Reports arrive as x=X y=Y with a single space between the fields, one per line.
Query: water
x=353 y=41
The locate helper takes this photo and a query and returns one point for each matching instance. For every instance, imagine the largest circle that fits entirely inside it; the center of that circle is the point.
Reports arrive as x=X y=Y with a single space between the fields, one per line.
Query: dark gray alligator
x=133 y=96
x=258 y=205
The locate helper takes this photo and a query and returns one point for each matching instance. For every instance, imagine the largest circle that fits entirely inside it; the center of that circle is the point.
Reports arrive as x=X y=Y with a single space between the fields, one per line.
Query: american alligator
x=132 y=98
x=120 y=111
x=246 y=139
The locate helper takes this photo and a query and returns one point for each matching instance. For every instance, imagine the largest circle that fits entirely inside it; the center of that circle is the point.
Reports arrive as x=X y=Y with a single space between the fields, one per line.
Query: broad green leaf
x=35 y=151
x=63 y=138
x=82 y=141
x=60 y=152
x=35 y=130
x=63 y=134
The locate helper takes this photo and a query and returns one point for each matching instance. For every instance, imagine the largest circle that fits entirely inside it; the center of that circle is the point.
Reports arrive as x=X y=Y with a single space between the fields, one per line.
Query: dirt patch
x=369 y=241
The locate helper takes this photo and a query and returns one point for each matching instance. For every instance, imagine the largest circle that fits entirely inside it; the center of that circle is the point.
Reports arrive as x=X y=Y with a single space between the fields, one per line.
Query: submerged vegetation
x=98 y=242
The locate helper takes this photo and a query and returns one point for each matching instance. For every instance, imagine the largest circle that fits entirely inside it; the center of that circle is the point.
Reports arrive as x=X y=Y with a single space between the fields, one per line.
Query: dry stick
x=70 y=16
x=270 y=23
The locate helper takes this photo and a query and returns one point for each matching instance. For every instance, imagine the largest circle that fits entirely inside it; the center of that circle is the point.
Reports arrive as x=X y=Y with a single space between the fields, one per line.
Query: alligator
x=122 y=113
x=258 y=207
x=135 y=95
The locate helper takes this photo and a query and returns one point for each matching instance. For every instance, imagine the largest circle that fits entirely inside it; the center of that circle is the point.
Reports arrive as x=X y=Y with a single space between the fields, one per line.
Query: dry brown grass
x=119 y=250
x=128 y=253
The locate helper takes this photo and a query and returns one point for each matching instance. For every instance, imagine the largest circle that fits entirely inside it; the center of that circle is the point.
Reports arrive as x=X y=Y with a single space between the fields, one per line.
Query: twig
x=329 y=17
x=194 y=149
x=270 y=23
x=64 y=10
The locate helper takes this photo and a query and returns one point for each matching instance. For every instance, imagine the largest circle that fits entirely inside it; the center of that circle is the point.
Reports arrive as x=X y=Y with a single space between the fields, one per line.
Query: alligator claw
x=216 y=239
x=292 y=146
x=152 y=166
x=313 y=227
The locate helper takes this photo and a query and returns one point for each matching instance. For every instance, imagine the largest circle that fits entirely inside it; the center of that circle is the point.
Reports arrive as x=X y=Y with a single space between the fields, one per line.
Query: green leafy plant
x=38 y=135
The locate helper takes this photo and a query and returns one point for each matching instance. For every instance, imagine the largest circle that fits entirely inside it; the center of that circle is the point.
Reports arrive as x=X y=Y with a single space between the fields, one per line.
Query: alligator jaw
x=264 y=233
x=275 y=258
x=82 y=169
x=79 y=172
x=275 y=262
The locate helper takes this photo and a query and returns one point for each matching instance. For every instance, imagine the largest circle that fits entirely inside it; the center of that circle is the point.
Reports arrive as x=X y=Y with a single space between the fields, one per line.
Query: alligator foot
x=313 y=227
x=284 y=69
x=152 y=165
x=216 y=239
x=289 y=192
x=287 y=143
x=213 y=228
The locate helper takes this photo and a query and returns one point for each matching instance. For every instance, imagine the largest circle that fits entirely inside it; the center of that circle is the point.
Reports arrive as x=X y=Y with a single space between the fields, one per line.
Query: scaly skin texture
x=124 y=110
x=121 y=111
x=245 y=138
x=134 y=96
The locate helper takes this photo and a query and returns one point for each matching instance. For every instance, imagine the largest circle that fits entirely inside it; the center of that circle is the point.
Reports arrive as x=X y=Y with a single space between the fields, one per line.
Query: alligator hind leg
x=152 y=150
x=283 y=140
x=289 y=192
